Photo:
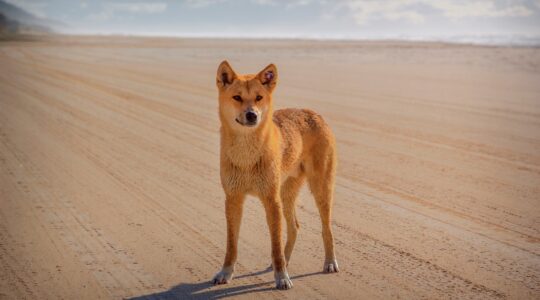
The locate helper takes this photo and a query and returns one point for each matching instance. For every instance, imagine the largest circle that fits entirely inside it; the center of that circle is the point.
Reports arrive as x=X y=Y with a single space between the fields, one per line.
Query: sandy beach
x=109 y=169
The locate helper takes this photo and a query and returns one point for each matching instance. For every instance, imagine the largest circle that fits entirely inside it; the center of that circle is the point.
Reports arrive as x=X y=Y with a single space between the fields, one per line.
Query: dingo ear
x=268 y=77
x=225 y=74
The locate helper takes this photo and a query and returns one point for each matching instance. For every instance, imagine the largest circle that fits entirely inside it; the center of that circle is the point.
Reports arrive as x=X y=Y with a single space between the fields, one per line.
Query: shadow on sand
x=206 y=290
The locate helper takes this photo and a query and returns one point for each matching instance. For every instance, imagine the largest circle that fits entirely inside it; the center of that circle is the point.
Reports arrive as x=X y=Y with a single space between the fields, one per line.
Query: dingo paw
x=283 y=282
x=222 y=277
x=331 y=266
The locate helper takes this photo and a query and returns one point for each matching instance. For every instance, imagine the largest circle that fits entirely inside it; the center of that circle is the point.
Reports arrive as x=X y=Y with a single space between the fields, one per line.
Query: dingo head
x=245 y=101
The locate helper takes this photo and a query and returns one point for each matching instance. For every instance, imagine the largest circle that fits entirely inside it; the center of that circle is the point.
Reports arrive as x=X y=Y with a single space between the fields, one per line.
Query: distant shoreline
x=484 y=40
x=533 y=43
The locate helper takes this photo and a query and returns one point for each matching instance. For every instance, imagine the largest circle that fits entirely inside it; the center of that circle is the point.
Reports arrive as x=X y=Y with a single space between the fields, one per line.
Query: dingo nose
x=251 y=117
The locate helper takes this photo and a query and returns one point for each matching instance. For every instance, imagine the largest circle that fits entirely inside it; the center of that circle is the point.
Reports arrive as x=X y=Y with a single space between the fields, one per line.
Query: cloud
x=296 y=3
x=205 y=3
x=365 y=11
x=264 y=2
x=202 y=3
x=138 y=7
x=485 y=8
x=408 y=15
x=111 y=9
x=411 y=11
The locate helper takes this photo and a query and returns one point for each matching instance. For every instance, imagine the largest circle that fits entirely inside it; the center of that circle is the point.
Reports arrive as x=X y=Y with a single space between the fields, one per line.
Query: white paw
x=223 y=276
x=331 y=266
x=283 y=282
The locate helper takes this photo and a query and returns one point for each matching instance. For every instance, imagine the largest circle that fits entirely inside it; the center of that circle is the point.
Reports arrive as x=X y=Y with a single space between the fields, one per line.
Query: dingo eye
x=259 y=97
x=237 y=98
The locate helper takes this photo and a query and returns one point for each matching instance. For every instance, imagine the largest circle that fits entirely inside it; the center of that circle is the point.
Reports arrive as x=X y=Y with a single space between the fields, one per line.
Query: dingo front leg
x=274 y=214
x=233 y=213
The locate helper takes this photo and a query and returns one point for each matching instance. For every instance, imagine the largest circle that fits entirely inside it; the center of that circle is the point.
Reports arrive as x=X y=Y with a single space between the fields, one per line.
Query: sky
x=369 y=19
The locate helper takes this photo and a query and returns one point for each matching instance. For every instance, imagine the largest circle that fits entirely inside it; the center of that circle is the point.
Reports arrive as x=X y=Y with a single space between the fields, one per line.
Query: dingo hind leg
x=321 y=177
x=289 y=193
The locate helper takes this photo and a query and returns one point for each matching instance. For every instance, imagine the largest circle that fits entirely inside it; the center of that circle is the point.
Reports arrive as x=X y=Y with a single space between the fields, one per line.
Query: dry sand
x=109 y=176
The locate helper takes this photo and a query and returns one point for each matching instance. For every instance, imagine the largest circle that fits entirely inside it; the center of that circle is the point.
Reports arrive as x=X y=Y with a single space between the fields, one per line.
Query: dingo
x=269 y=155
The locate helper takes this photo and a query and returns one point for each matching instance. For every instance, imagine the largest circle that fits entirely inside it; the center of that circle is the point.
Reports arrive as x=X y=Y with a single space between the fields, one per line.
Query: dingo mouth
x=245 y=124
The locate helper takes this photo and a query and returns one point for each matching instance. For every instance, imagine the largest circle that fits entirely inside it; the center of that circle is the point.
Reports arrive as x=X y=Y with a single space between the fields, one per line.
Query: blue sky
x=295 y=18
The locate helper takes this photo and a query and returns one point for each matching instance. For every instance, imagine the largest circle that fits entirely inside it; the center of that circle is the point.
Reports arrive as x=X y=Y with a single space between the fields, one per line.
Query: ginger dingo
x=269 y=155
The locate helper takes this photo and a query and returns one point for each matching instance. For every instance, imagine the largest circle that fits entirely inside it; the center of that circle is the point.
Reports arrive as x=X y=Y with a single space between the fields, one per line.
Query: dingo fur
x=269 y=155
